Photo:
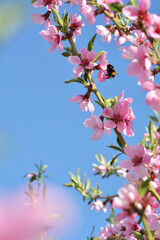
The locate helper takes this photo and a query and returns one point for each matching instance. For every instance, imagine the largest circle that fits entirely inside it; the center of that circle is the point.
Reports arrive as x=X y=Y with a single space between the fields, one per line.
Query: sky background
x=38 y=121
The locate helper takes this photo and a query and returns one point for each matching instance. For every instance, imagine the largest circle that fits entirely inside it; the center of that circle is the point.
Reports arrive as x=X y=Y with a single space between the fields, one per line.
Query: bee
x=111 y=72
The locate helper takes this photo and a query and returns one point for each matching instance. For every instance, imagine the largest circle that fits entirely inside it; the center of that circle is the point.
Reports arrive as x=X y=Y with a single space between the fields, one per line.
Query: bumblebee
x=111 y=72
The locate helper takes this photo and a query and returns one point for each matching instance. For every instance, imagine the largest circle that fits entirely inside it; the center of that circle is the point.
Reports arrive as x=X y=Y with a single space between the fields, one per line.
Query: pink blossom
x=85 y=62
x=154 y=29
x=141 y=64
x=127 y=199
x=39 y=19
x=121 y=116
x=107 y=232
x=154 y=223
x=95 y=123
x=141 y=39
x=85 y=103
x=89 y=13
x=101 y=168
x=142 y=12
x=54 y=37
x=98 y=204
x=153 y=95
x=48 y=3
x=139 y=158
x=104 y=32
x=76 y=24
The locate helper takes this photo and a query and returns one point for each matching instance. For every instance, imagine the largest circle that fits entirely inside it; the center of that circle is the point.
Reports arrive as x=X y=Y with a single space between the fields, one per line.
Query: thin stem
x=113 y=19
x=146 y=228
x=94 y=88
x=154 y=192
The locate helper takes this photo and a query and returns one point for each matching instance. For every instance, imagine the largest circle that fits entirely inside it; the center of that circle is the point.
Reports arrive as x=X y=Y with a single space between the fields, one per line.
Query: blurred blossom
x=52 y=217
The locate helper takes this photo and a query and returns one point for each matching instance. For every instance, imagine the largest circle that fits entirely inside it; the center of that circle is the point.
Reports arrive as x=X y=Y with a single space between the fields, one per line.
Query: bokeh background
x=38 y=121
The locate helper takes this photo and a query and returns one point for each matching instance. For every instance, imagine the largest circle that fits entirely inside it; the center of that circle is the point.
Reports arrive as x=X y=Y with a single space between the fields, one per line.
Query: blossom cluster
x=140 y=196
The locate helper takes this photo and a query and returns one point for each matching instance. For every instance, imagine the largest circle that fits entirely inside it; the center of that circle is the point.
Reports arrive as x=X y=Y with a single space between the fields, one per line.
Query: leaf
x=68 y=49
x=98 y=56
x=91 y=43
x=133 y=3
x=113 y=159
x=142 y=143
x=119 y=143
x=94 y=4
x=70 y=184
x=65 y=54
x=151 y=132
x=56 y=18
x=45 y=166
x=88 y=184
x=138 y=235
x=66 y=22
x=153 y=118
x=78 y=80
x=116 y=148
x=143 y=188
x=115 y=7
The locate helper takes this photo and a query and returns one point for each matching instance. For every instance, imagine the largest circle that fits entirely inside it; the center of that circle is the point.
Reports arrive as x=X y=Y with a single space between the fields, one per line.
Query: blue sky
x=37 y=120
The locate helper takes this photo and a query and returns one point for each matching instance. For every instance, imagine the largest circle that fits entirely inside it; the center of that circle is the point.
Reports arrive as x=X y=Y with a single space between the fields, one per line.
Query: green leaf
x=33 y=1
x=56 y=18
x=116 y=148
x=91 y=43
x=98 y=56
x=138 y=235
x=133 y=3
x=151 y=132
x=78 y=80
x=68 y=49
x=88 y=184
x=65 y=54
x=143 y=141
x=143 y=188
x=45 y=166
x=115 y=7
x=113 y=159
x=94 y=4
x=66 y=22
x=70 y=184
x=153 y=118
x=119 y=143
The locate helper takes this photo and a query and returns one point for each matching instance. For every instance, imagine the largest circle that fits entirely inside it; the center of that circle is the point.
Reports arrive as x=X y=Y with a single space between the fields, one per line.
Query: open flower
x=121 y=116
x=54 y=37
x=85 y=62
x=84 y=103
x=96 y=123
x=139 y=158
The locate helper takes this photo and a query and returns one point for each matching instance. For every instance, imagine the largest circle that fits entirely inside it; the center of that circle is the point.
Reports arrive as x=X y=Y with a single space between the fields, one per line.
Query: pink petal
x=133 y=68
x=130 y=12
x=77 y=70
x=84 y=53
x=126 y=164
x=144 y=5
x=141 y=171
x=91 y=106
x=74 y=60
x=107 y=112
x=60 y=47
x=37 y=18
x=121 y=126
x=129 y=150
x=76 y=99
x=97 y=134
x=109 y=124
x=52 y=47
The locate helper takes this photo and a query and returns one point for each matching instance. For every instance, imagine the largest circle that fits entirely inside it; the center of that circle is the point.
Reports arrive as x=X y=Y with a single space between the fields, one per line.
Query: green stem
x=120 y=137
x=113 y=19
x=146 y=228
x=94 y=88
x=154 y=192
